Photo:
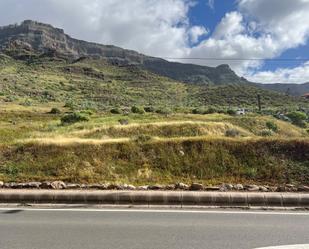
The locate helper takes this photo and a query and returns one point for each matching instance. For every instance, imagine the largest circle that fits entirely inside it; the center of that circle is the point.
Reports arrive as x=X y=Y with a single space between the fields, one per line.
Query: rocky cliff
x=35 y=37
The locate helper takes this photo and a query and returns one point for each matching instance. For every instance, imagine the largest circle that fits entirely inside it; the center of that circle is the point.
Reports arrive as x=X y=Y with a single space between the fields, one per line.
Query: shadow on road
x=15 y=211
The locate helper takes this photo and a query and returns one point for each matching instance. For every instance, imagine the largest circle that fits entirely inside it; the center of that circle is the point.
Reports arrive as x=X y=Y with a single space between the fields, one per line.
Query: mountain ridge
x=44 y=38
x=289 y=89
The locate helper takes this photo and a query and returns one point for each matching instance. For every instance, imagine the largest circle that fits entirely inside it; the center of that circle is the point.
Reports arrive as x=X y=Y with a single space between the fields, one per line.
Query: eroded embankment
x=160 y=161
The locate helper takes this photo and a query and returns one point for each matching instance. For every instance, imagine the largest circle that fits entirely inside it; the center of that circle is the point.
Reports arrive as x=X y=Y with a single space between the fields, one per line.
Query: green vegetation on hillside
x=96 y=84
x=149 y=148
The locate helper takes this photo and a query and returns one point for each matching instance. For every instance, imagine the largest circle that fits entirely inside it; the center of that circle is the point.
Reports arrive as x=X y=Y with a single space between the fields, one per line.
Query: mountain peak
x=40 y=26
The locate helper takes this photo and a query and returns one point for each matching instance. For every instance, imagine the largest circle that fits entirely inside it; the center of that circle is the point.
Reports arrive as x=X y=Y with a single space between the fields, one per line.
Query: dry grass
x=67 y=141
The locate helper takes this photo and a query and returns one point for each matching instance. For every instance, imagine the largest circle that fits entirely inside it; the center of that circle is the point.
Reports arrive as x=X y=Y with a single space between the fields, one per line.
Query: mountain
x=43 y=38
x=41 y=64
x=289 y=89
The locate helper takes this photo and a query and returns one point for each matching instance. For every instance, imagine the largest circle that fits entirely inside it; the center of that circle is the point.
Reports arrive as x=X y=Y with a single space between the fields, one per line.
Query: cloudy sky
x=274 y=30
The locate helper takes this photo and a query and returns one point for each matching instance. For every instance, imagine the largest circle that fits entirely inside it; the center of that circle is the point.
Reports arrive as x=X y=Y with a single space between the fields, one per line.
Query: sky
x=264 y=41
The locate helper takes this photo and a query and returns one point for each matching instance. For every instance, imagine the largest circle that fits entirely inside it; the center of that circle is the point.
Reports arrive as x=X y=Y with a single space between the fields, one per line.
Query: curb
x=176 y=198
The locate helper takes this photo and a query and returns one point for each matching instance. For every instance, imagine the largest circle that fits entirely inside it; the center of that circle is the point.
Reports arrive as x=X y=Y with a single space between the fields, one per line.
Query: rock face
x=35 y=37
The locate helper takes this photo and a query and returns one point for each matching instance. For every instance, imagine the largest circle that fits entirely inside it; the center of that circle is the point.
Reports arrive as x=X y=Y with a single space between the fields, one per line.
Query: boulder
x=181 y=186
x=142 y=187
x=73 y=186
x=94 y=186
x=46 y=185
x=58 y=185
x=239 y=187
x=282 y=189
x=264 y=189
x=212 y=188
x=196 y=187
x=128 y=187
x=170 y=187
x=33 y=185
x=303 y=188
x=226 y=187
x=114 y=187
x=12 y=185
x=252 y=188
x=155 y=187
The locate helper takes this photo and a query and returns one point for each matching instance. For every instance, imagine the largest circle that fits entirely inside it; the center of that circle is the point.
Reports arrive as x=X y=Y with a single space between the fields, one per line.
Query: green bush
x=123 y=121
x=211 y=110
x=55 y=111
x=149 y=109
x=266 y=133
x=232 y=133
x=272 y=126
x=87 y=112
x=27 y=102
x=70 y=104
x=231 y=112
x=72 y=118
x=198 y=111
x=137 y=110
x=298 y=118
x=116 y=111
x=164 y=111
x=142 y=139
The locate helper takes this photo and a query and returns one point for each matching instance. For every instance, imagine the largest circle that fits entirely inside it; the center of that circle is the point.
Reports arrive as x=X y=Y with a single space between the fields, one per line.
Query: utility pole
x=259 y=102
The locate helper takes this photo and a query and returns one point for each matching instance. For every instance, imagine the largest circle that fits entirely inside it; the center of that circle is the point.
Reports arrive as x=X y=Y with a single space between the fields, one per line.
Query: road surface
x=154 y=229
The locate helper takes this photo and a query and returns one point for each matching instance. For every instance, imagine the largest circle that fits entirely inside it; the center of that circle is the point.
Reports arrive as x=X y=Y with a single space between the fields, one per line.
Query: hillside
x=97 y=84
x=290 y=89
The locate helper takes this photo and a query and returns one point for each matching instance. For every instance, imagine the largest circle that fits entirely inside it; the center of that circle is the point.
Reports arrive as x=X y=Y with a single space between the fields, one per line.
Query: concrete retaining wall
x=230 y=199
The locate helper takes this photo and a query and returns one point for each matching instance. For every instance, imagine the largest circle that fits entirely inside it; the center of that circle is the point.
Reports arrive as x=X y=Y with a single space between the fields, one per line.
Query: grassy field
x=151 y=148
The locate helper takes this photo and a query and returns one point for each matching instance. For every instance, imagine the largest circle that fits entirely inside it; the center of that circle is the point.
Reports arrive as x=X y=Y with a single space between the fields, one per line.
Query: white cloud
x=258 y=29
x=211 y=4
x=154 y=27
x=196 y=32
x=282 y=75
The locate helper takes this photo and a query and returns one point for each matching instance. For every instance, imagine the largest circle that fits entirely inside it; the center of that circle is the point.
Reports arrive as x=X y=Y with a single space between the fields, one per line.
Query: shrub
x=116 y=111
x=55 y=111
x=298 y=118
x=72 y=118
x=211 y=110
x=87 y=112
x=164 y=111
x=272 y=126
x=232 y=133
x=27 y=102
x=123 y=121
x=70 y=104
x=198 y=111
x=137 y=110
x=149 y=109
x=266 y=133
x=142 y=138
x=231 y=112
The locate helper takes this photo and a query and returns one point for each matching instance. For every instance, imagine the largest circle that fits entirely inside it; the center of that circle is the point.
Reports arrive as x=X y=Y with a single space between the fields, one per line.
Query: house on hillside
x=241 y=111
x=306 y=96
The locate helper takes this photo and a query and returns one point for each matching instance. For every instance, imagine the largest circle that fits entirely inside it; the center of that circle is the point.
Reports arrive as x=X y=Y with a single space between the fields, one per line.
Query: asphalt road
x=137 y=229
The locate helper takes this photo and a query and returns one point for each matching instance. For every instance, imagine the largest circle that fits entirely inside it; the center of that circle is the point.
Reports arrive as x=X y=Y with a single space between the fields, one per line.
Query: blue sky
x=210 y=13
x=224 y=29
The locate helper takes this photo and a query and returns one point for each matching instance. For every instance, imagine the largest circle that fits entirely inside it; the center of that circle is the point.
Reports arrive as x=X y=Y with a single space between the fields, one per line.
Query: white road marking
x=155 y=211
x=287 y=247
